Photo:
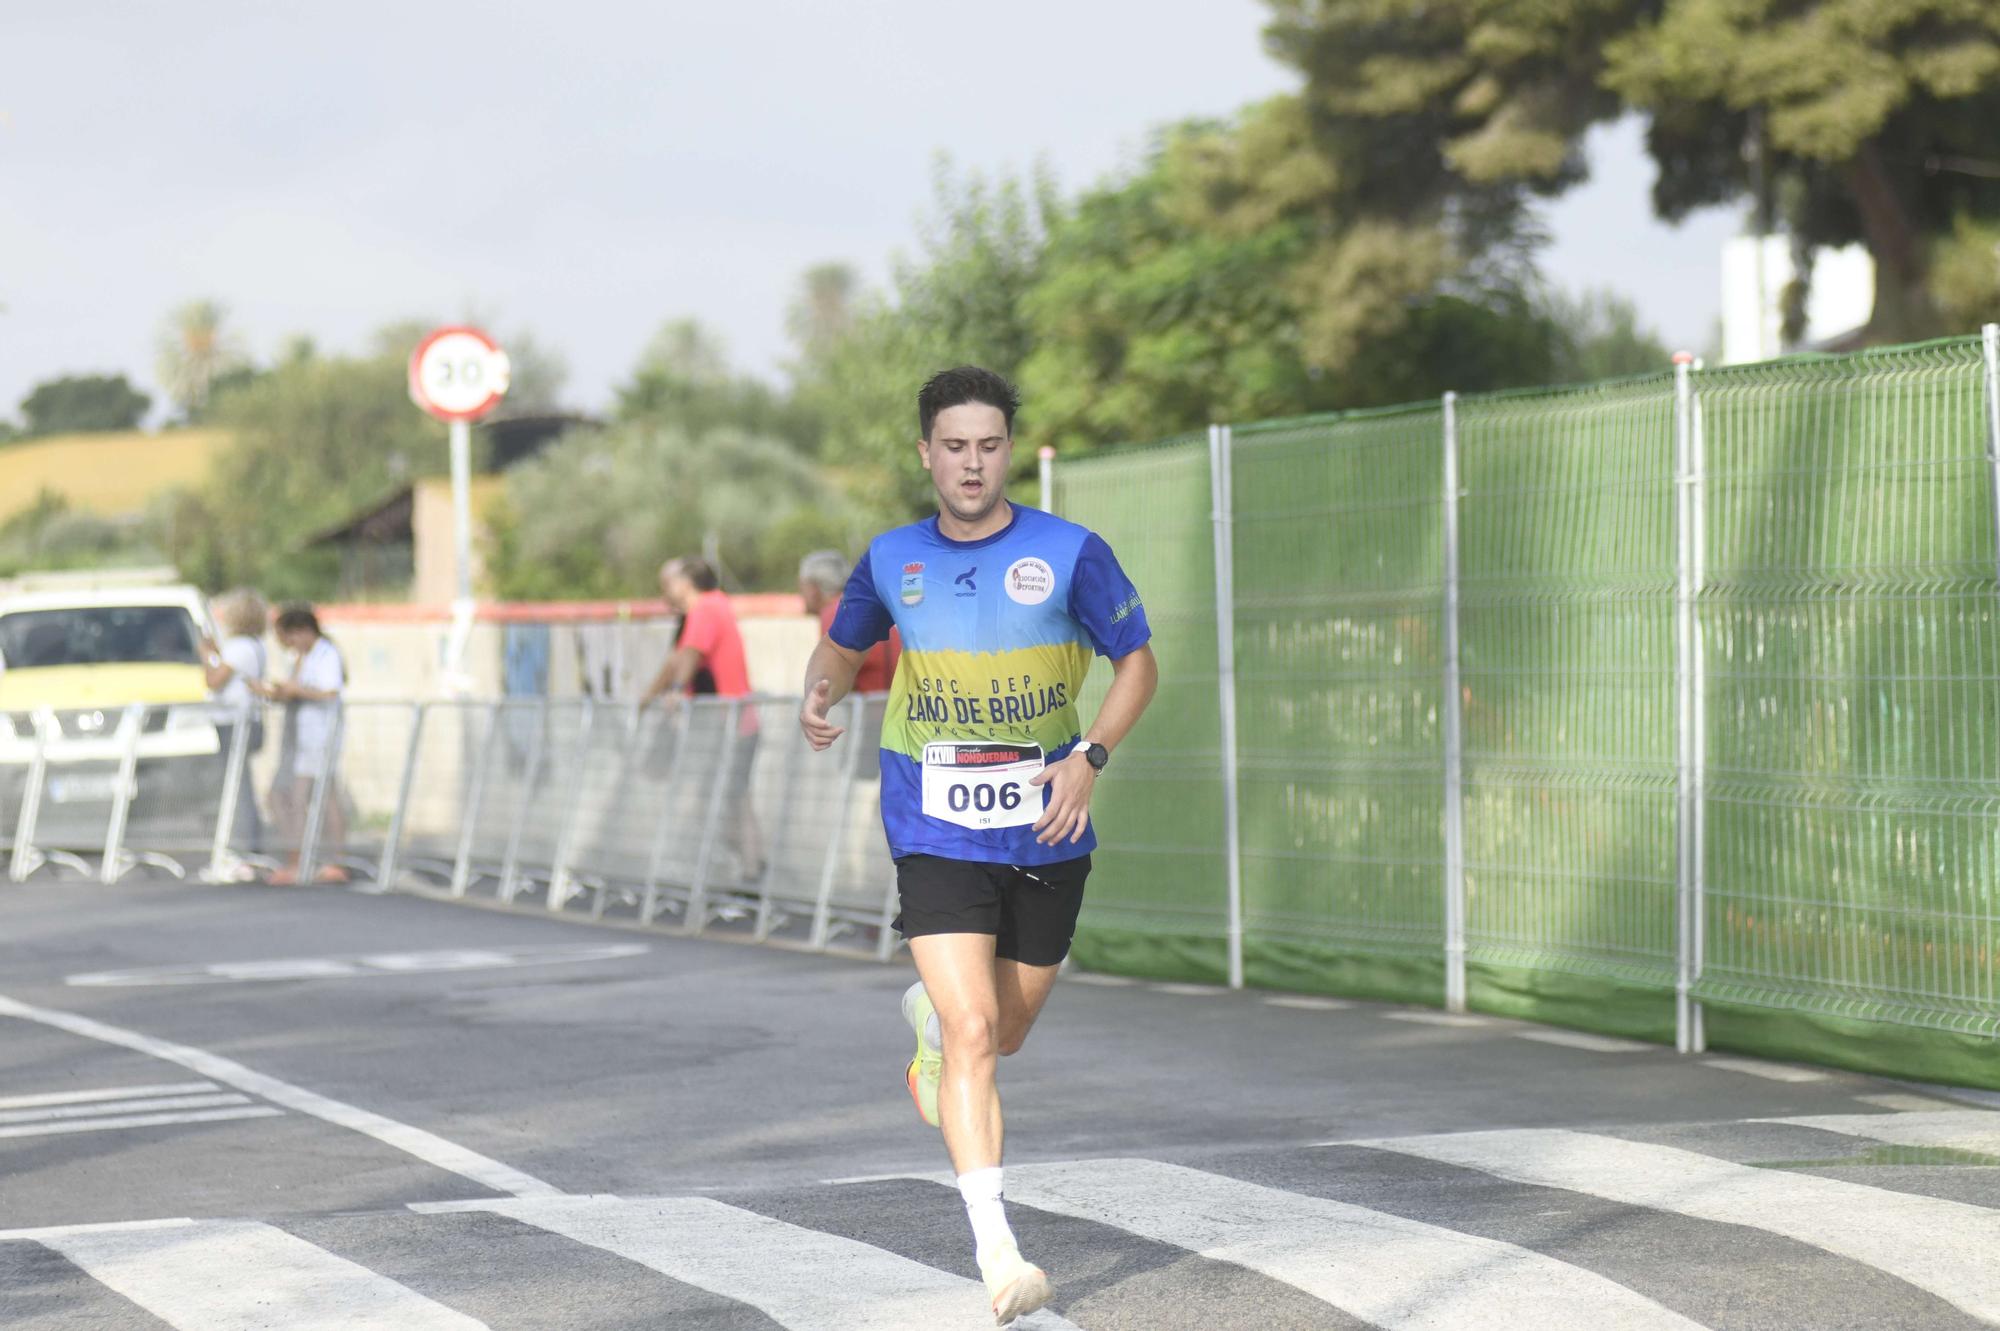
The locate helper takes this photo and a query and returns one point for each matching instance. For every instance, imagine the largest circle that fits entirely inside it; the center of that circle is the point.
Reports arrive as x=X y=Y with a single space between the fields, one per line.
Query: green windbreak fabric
x=1339 y=591
x=1156 y=903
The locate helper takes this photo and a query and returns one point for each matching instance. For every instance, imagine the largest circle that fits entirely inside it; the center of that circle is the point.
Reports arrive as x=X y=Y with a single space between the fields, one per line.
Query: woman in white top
x=236 y=672
x=310 y=746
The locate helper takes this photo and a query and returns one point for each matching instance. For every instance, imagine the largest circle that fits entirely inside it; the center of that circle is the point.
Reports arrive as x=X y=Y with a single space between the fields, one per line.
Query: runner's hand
x=819 y=731
x=1070 y=783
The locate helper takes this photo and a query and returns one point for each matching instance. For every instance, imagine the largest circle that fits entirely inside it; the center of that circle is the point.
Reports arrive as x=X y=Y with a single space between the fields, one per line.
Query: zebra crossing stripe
x=1395 y=1273
x=803 y=1279
x=114 y=1122
x=101 y=1108
x=47 y=1098
x=238 y=1275
x=1943 y=1247
x=1956 y=1129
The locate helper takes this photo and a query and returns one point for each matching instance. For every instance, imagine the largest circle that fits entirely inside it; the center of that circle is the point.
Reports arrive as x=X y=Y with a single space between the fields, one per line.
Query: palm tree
x=194 y=351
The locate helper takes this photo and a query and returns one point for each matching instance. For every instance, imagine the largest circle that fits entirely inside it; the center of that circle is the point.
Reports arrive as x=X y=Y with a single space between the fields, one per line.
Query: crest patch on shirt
x=1030 y=581
x=913 y=583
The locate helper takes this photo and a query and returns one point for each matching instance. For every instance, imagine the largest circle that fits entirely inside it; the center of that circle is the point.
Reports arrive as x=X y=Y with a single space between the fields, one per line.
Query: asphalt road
x=228 y=1108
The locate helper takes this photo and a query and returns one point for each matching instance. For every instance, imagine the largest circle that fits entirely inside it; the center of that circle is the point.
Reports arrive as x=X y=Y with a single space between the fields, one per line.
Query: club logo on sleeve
x=913 y=583
x=1029 y=581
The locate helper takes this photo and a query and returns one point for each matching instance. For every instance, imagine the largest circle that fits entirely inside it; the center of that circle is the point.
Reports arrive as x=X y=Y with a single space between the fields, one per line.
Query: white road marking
x=1438 y=1018
x=237 y=1275
x=138 y=1121
x=1305 y=1004
x=1393 y=1272
x=425 y=1146
x=1093 y=977
x=1899 y=1100
x=1757 y=1067
x=361 y=967
x=53 y=1112
x=802 y=1278
x=1941 y=1246
x=1954 y=1129
x=1596 y=1044
x=97 y=1227
x=1189 y=990
x=111 y=1093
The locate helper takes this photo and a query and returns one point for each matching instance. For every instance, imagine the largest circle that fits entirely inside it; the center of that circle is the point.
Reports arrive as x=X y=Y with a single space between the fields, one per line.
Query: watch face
x=1096 y=755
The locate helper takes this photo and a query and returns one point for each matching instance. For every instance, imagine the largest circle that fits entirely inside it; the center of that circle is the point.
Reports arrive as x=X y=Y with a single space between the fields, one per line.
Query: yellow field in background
x=107 y=474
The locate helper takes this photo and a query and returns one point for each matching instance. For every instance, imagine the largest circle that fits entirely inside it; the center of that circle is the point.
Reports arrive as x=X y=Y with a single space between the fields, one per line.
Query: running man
x=986 y=772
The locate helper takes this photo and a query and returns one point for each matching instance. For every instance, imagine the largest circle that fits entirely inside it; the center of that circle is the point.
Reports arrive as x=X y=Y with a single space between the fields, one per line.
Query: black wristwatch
x=1096 y=755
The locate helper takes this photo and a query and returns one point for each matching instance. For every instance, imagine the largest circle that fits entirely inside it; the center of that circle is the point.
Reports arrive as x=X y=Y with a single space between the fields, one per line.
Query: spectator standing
x=822 y=579
x=235 y=672
x=310 y=745
x=710 y=639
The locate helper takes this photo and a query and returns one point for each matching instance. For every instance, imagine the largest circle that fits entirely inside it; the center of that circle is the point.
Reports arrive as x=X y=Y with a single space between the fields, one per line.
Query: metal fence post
x=1225 y=663
x=559 y=874
x=1454 y=732
x=233 y=776
x=822 y=905
x=697 y=907
x=25 y=860
x=385 y=873
x=475 y=800
x=537 y=746
x=1045 y=472
x=130 y=722
x=1989 y=337
x=322 y=785
x=1688 y=1034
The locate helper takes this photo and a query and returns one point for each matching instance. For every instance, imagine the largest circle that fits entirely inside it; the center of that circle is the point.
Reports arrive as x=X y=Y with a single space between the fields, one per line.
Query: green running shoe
x=927 y=1067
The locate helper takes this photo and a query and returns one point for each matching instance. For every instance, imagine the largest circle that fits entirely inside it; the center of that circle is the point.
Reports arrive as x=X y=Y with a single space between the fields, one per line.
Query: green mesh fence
x=1339 y=588
x=1852 y=819
x=1566 y=618
x=1843 y=728
x=1155 y=905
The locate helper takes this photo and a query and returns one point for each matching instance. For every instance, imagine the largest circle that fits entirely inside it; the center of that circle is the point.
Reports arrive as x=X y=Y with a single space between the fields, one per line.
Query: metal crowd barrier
x=709 y=814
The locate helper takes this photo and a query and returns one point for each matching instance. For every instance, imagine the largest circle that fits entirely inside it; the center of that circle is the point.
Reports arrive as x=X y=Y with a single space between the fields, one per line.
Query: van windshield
x=97 y=635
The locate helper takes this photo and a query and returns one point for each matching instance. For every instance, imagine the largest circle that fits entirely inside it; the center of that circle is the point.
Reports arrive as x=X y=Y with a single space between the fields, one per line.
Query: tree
x=960 y=299
x=195 y=352
x=684 y=379
x=1225 y=279
x=1844 y=119
x=314 y=440
x=596 y=514
x=83 y=402
x=1599 y=337
x=823 y=312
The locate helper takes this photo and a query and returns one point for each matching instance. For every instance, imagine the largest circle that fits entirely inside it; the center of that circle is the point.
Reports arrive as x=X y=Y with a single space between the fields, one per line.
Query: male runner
x=986 y=780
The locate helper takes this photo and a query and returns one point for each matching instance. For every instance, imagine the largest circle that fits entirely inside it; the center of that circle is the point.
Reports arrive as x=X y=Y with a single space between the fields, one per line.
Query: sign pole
x=458 y=375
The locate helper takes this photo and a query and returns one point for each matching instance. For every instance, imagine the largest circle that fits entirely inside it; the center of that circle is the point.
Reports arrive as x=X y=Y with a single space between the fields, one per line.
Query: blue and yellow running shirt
x=997 y=637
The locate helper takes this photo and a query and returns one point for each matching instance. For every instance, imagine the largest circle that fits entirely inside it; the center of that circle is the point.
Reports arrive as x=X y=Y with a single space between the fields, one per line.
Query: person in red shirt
x=710 y=640
x=822 y=578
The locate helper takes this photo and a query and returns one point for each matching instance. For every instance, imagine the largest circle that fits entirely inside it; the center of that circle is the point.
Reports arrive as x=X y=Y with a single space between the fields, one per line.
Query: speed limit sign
x=458 y=374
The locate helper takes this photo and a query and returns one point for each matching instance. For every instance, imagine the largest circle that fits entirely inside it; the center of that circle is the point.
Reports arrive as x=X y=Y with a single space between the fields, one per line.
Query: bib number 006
x=983 y=785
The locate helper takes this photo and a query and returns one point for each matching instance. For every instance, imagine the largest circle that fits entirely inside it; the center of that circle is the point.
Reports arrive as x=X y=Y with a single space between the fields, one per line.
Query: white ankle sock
x=981 y=1190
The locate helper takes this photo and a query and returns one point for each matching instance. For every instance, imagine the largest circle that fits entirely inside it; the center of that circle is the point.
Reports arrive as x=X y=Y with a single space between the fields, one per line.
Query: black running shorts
x=1031 y=912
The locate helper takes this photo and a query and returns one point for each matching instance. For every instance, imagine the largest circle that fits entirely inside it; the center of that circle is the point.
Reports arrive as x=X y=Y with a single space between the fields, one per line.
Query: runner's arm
x=829 y=677
x=1134 y=678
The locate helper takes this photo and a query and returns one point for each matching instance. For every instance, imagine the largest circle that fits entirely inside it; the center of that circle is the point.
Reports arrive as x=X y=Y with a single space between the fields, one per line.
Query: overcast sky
x=589 y=169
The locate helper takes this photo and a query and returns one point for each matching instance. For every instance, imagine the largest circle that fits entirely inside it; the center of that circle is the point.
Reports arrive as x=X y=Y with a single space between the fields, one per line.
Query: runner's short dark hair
x=698 y=572
x=297 y=615
x=966 y=383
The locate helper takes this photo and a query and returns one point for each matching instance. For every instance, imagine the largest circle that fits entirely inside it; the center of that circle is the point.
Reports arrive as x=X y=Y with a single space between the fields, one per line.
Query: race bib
x=982 y=785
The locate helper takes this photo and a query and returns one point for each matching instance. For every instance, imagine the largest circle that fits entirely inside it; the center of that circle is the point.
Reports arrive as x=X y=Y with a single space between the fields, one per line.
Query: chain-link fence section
x=1154 y=904
x=1567 y=696
x=1852 y=766
x=1338 y=588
